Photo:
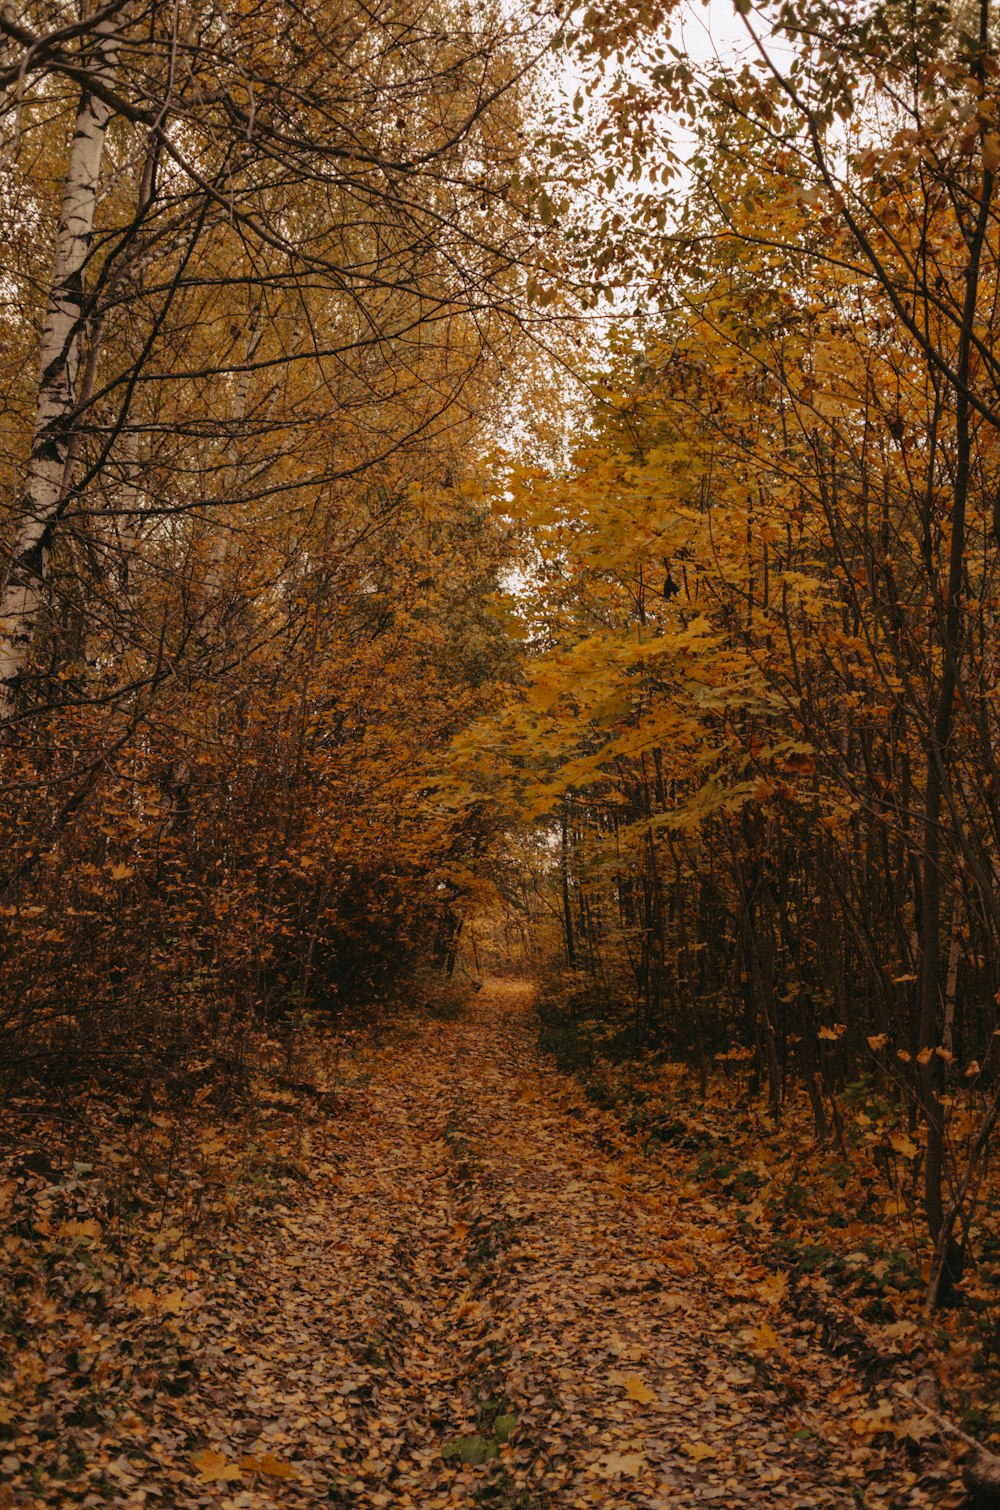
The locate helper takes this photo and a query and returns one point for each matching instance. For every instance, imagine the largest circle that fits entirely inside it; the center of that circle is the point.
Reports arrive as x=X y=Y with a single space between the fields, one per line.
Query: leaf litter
x=468 y=1289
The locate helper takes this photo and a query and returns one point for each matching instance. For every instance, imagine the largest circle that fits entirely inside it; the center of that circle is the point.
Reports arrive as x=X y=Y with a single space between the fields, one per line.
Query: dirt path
x=473 y=1272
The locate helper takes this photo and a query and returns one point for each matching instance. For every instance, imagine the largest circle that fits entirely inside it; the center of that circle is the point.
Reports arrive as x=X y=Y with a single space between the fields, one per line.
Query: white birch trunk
x=62 y=340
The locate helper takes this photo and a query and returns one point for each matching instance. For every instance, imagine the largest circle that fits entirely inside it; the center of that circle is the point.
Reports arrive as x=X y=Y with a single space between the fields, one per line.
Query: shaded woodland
x=488 y=493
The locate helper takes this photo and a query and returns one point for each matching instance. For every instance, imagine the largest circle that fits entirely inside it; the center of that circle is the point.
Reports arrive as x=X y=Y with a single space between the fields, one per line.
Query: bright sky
x=711 y=31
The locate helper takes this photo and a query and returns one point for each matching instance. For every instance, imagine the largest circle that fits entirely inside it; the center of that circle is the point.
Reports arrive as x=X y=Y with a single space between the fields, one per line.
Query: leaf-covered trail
x=475 y=1272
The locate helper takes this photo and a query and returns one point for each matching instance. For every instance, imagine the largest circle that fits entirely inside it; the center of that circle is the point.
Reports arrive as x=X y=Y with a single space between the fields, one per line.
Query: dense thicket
x=263 y=274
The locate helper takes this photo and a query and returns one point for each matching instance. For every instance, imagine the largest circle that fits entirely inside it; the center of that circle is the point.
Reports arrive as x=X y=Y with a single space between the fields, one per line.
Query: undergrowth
x=844 y=1210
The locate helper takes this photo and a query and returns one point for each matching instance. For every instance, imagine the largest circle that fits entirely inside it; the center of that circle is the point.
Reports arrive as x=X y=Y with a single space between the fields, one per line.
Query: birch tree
x=353 y=171
x=61 y=347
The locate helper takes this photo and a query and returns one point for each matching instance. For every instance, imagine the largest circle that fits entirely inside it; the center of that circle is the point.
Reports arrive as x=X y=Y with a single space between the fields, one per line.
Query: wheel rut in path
x=480 y=1302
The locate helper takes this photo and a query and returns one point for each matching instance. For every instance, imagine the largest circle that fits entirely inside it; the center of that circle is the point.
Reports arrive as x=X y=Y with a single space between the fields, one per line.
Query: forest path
x=475 y=1258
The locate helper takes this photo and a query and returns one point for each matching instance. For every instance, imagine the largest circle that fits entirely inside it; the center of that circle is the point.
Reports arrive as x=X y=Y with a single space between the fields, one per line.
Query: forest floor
x=468 y=1288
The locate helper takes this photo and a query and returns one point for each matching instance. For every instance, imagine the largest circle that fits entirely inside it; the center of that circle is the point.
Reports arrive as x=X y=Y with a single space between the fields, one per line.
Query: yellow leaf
x=763 y=1339
x=273 y=1467
x=121 y=872
x=775 y=1287
x=80 y=1231
x=637 y=1390
x=903 y=1145
x=623 y=1464
x=925 y=1056
x=173 y=1302
x=878 y=1041
x=214 y=1467
x=915 y=1428
x=699 y=1451
x=837 y=1031
x=869 y=1422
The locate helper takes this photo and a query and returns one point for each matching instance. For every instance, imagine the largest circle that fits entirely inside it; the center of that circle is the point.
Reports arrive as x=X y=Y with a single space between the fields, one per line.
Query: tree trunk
x=62 y=342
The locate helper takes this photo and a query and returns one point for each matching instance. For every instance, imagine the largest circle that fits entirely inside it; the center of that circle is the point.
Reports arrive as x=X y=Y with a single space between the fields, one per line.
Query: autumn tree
x=766 y=685
x=246 y=553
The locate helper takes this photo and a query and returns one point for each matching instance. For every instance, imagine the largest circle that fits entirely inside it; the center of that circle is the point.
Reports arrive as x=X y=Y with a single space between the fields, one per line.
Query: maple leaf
x=622 y=1464
x=762 y=1339
x=77 y=1231
x=871 y=1422
x=698 y=1452
x=638 y=1391
x=915 y=1429
x=775 y=1287
x=268 y=1465
x=214 y=1467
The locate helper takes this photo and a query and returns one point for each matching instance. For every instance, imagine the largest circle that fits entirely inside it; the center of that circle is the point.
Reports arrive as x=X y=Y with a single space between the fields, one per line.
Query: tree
x=776 y=557
x=289 y=293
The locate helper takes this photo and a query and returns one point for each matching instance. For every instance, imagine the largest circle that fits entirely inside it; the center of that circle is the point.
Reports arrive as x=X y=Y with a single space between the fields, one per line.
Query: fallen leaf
x=88 y=1231
x=915 y=1429
x=269 y=1465
x=870 y=1422
x=636 y=1390
x=775 y=1287
x=214 y=1467
x=623 y=1464
x=762 y=1339
x=699 y=1451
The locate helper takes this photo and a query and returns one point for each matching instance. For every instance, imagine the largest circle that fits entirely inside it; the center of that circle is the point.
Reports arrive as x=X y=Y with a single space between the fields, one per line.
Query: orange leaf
x=763 y=1339
x=637 y=1390
x=214 y=1467
x=273 y=1467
